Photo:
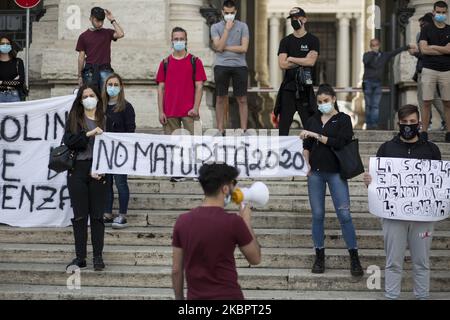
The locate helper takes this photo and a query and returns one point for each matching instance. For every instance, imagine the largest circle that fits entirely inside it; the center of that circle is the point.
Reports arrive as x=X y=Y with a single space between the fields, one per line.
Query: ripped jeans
x=317 y=183
x=88 y=199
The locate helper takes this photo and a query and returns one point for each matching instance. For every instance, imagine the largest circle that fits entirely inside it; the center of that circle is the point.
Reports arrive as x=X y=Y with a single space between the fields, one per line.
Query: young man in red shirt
x=94 y=47
x=205 y=238
x=180 y=88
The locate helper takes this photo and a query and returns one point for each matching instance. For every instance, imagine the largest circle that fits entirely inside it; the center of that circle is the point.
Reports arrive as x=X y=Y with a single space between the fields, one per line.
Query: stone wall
x=147 y=25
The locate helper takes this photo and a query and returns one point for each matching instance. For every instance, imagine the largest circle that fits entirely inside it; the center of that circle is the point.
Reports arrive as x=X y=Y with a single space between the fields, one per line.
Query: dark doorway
x=325 y=70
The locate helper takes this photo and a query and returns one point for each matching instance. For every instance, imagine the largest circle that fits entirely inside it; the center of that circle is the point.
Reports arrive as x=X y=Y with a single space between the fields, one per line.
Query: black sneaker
x=447 y=137
x=99 y=265
x=108 y=221
x=319 y=262
x=120 y=222
x=76 y=263
x=177 y=179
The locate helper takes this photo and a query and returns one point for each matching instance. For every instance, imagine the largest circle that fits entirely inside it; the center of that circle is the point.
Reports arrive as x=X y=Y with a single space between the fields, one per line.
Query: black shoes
x=447 y=137
x=355 y=266
x=319 y=263
x=76 y=264
x=99 y=265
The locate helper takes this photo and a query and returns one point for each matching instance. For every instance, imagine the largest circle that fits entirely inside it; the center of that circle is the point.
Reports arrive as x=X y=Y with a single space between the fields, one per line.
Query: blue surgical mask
x=440 y=17
x=326 y=108
x=113 y=91
x=5 y=48
x=179 y=45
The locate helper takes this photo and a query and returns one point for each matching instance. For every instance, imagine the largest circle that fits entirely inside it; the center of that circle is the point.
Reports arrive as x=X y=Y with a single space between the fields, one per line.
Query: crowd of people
x=205 y=238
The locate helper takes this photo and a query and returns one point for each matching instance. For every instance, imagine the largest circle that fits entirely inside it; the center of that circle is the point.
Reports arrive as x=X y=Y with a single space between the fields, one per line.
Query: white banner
x=31 y=195
x=158 y=155
x=409 y=189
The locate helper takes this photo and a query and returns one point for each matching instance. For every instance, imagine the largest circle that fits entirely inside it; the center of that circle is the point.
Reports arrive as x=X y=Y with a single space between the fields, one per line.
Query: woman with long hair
x=329 y=129
x=12 y=71
x=120 y=117
x=87 y=191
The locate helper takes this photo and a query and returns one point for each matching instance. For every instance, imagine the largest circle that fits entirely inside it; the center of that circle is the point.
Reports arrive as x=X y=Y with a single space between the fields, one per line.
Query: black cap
x=296 y=12
x=428 y=17
x=98 y=13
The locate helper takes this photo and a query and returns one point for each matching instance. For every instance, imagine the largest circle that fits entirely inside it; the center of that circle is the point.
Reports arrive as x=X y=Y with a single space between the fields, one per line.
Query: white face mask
x=90 y=103
x=229 y=17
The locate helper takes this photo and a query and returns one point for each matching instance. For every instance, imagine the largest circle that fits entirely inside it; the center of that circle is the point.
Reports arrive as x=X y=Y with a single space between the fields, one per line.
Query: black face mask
x=296 y=24
x=409 y=131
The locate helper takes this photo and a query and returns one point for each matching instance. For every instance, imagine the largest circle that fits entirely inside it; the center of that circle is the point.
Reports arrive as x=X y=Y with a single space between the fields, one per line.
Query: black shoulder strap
x=194 y=67
x=166 y=65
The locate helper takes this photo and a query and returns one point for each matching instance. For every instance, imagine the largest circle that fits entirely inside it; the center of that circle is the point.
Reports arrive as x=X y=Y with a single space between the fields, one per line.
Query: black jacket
x=339 y=131
x=75 y=141
x=124 y=121
x=422 y=149
x=374 y=63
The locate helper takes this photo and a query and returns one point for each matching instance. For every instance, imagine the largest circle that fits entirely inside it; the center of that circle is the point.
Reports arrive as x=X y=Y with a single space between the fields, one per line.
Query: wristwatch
x=112 y=21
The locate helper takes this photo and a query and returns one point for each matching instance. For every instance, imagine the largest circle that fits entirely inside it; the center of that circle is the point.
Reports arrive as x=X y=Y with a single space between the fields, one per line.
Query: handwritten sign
x=158 y=155
x=31 y=195
x=409 y=189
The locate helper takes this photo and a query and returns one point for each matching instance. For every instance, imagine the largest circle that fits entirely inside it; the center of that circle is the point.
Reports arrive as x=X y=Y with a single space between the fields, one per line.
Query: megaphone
x=257 y=194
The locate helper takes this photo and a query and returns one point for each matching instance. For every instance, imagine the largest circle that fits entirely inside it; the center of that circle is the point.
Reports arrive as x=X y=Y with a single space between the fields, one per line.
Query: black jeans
x=88 y=198
x=289 y=106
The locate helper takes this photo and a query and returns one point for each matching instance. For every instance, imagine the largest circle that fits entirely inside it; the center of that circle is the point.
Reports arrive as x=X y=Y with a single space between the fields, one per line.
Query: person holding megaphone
x=204 y=239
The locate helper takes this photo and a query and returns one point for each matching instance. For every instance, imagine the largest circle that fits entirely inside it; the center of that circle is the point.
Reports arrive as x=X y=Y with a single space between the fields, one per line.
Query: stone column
x=359 y=44
x=185 y=14
x=289 y=28
x=343 y=54
x=273 y=53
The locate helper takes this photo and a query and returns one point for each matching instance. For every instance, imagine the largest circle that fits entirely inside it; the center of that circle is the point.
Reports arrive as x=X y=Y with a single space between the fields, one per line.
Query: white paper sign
x=31 y=195
x=409 y=189
x=158 y=155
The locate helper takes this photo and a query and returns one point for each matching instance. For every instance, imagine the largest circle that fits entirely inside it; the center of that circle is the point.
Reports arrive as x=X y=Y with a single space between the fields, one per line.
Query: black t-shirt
x=298 y=48
x=9 y=70
x=436 y=37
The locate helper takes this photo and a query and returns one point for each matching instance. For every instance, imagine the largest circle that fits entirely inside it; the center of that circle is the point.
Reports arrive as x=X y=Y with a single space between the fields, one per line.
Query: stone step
x=249 y=278
x=46 y=292
x=283 y=188
x=276 y=203
x=268 y=220
x=150 y=236
x=363 y=135
x=162 y=256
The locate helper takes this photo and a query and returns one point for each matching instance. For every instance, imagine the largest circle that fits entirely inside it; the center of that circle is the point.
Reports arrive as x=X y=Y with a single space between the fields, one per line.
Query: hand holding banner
x=409 y=189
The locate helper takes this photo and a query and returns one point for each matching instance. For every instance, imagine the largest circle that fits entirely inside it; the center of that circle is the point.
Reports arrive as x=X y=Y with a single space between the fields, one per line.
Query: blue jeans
x=372 y=97
x=122 y=188
x=9 y=96
x=317 y=183
x=89 y=78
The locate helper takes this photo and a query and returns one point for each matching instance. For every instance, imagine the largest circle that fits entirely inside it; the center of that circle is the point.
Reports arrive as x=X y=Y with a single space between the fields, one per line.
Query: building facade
x=344 y=27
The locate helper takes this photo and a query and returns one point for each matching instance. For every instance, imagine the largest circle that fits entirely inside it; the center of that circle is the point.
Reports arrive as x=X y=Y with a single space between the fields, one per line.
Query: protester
x=87 y=191
x=399 y=234
x=435 y=47
x=180 y=88
x=231 y=39
x=94 y=47
x=297 y=55
x=204 y=240
x=120 y=117
x=12 y=74
x=374 y=65
x=326 y=130
x=437 y=102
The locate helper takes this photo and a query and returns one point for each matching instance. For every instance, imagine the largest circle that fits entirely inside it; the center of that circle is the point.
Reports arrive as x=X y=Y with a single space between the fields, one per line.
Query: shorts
x=431 y=78
x=222 y=76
